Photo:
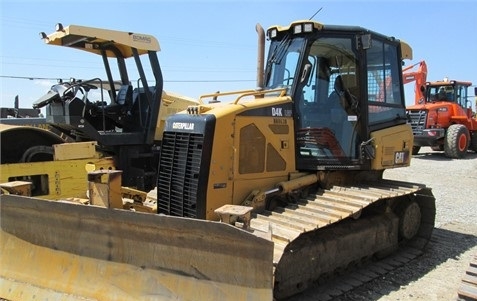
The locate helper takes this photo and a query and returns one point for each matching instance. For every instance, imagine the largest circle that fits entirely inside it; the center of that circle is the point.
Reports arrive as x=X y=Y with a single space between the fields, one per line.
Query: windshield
x=326 y=100
x=320 y=73
x=283 y=62
x=448 y=92
x=440 y=93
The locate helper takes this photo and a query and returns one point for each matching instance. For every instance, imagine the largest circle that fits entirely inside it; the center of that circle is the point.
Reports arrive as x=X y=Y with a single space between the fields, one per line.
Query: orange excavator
x=419 y=76
x=441 y=116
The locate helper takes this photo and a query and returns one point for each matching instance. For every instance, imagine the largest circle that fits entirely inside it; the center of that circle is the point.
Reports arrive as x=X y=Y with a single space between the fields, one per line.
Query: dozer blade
x=61 y=251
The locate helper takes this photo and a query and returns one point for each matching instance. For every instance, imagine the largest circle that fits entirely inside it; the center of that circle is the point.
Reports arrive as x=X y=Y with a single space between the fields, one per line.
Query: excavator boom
x=419 y=76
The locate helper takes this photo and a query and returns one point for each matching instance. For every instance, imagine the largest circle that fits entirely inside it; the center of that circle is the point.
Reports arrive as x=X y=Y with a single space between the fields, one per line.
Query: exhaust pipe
x=261 y=56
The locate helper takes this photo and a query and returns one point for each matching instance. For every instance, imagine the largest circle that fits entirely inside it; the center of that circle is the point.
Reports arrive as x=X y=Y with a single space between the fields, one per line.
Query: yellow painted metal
x=406 y=51
x=85 y=38
x=316 y=25
x=78 y=150
x=65 y=179
x=393 y=147
x=62 y=251
x=242 y=95
x=171 y=103
x=235 y=140
x=264 y=145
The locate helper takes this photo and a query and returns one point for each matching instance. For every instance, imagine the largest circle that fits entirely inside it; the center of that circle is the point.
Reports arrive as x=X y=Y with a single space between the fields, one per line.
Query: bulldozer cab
x=345 y=81
x=115 y=111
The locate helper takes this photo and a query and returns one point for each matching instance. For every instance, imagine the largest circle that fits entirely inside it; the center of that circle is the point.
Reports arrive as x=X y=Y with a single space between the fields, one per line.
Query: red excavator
x=441 y=116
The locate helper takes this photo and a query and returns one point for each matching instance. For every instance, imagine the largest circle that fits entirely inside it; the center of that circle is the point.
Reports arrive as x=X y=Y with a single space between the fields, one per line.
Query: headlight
x=308 y=27
x=297 y=29
x=59 y=27
x=272 y=33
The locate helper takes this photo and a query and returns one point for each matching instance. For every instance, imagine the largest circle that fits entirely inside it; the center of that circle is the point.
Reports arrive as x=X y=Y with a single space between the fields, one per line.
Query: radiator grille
x=179 y=174
x=417 y=119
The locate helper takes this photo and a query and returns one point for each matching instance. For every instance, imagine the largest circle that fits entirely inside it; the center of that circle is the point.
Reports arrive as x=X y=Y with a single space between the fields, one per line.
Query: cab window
x=384 y=91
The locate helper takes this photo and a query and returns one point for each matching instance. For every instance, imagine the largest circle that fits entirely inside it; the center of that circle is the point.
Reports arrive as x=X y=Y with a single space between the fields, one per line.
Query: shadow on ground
x=439 y=156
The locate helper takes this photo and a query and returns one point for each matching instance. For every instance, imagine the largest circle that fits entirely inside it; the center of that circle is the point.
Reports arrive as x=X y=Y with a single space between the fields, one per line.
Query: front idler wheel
x=409 y=220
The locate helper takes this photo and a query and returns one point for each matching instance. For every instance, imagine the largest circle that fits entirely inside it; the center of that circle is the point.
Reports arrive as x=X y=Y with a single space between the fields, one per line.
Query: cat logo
x=183 y=126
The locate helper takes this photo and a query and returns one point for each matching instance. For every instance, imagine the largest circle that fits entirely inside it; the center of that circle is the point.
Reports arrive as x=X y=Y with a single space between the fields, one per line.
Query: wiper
x=277 y=54
x=279 y=51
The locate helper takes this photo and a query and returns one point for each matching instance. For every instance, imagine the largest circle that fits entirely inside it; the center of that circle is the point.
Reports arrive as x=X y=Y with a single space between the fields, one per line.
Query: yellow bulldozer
x=257 y=198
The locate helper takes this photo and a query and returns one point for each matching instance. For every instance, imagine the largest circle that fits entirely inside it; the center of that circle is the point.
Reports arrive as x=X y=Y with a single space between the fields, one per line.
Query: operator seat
x=124 y=96
x=113 y=113
x=345 y=89
x=340 y=104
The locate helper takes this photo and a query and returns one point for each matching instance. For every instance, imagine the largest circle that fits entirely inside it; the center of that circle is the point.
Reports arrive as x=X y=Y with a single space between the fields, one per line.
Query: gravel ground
x=436 y=275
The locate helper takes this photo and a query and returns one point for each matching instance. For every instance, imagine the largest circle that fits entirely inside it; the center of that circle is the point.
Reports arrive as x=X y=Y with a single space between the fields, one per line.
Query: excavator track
x=325 y=233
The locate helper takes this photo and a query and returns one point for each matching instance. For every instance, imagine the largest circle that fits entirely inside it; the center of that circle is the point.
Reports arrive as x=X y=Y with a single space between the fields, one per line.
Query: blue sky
x=209 y=46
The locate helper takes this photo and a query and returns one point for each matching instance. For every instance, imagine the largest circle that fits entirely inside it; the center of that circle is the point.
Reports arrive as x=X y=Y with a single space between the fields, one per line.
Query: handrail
x=263 y=92
x=244 y=93
x=216 y=94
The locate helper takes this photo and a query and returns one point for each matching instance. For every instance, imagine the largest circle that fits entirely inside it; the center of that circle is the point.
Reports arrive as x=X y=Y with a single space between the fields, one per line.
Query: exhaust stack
x=261 y=56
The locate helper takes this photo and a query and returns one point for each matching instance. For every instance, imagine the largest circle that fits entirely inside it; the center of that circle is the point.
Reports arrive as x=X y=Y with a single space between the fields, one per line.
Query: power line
x=167 y=81
x=210 y=81
x=28 y=77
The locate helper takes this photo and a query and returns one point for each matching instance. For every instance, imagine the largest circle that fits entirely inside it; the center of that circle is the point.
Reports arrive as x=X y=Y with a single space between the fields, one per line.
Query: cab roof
x=95 y=39
x=406 y=50
x=449 y=83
